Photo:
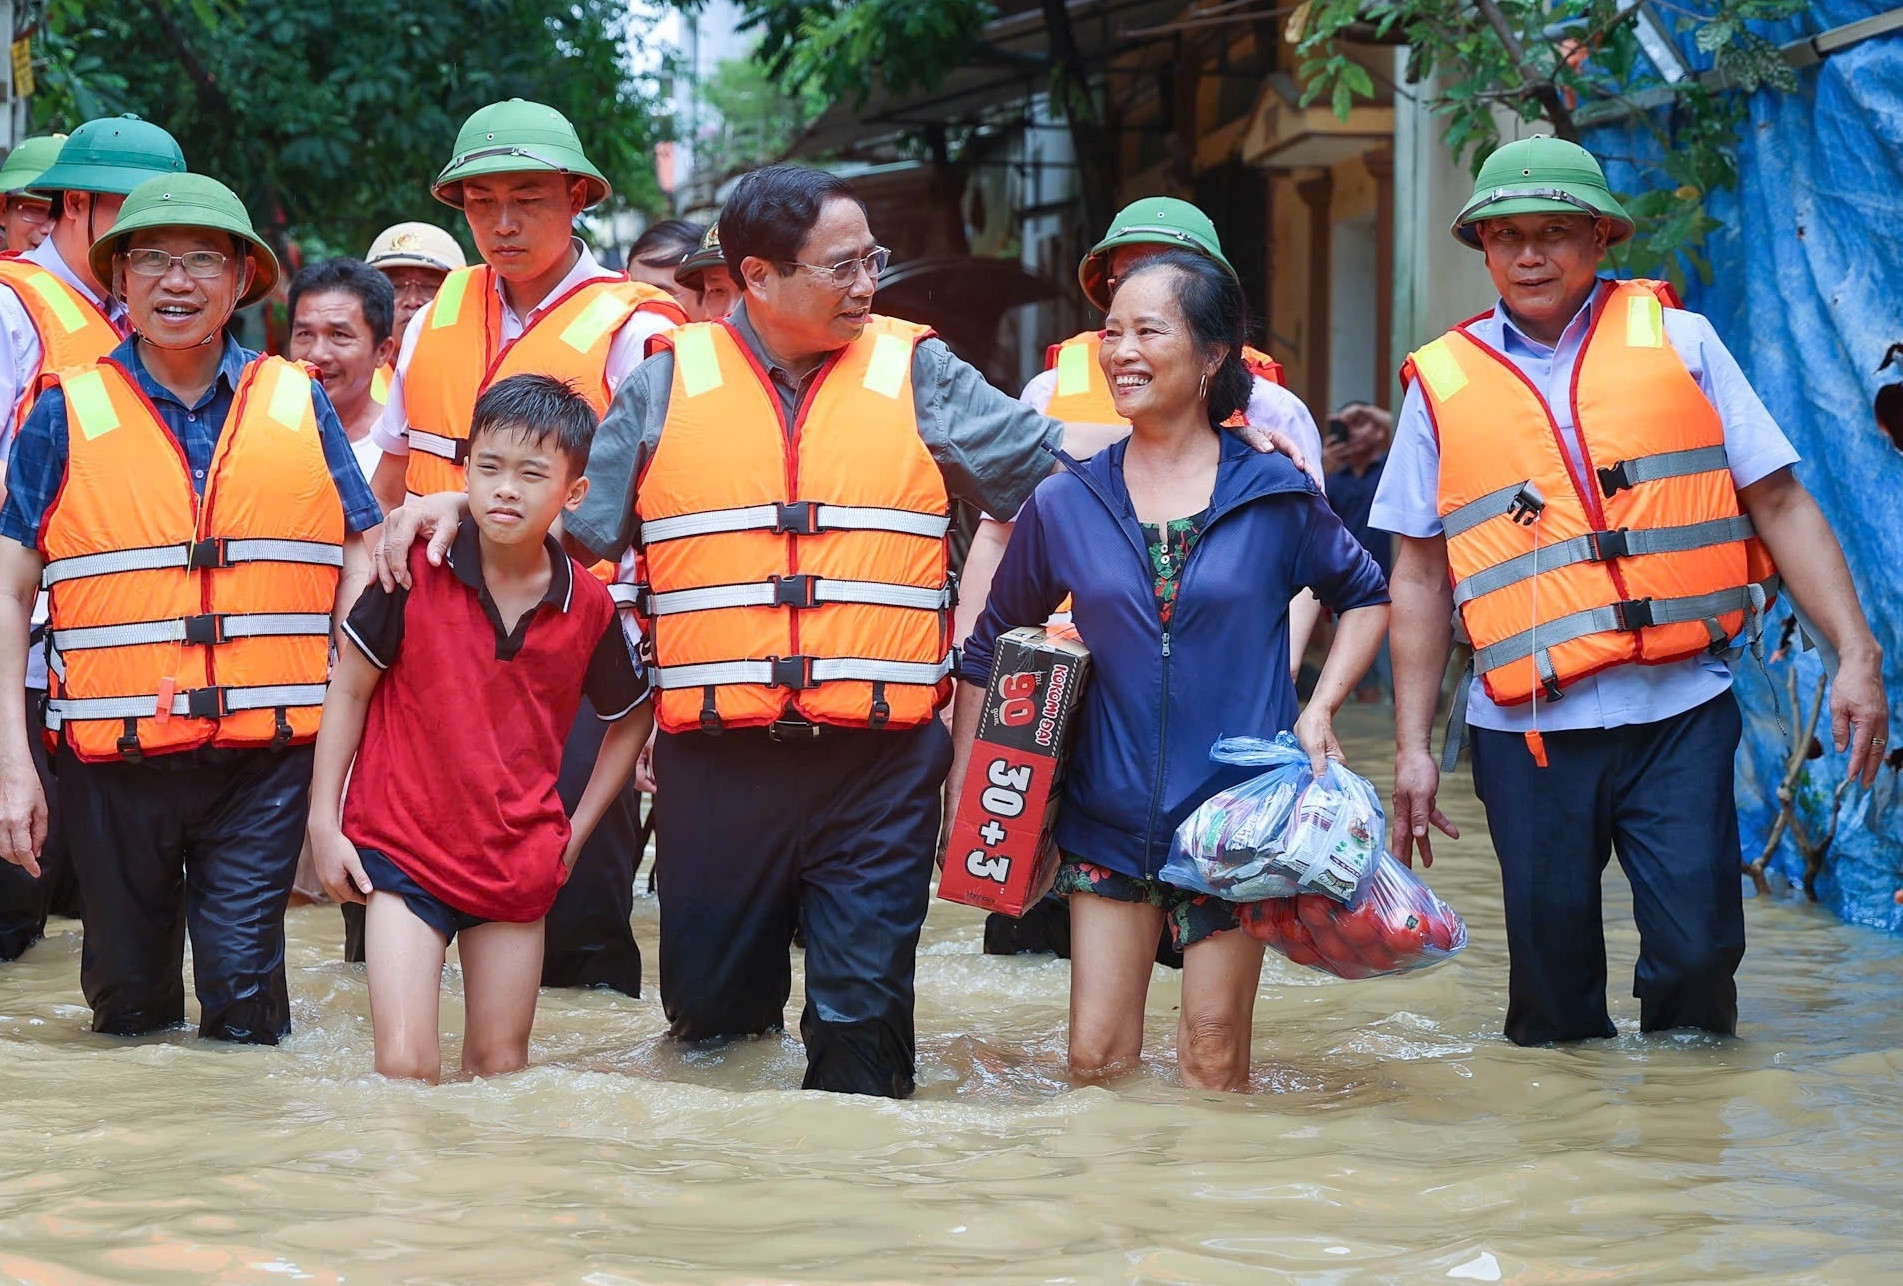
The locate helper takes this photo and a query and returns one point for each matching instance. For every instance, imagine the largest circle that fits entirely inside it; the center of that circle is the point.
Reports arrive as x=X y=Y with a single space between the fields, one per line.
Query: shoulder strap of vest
x=32 y=282
x=446 y=309
x=1260 y=364
x=652 y=299
x=1055 y=351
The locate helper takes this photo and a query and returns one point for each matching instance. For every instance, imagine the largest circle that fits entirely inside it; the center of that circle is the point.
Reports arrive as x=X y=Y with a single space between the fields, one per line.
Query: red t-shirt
x=462 y=744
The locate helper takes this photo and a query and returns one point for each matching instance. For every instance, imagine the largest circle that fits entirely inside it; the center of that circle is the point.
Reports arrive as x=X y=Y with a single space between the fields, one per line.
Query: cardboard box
x=1001 y=855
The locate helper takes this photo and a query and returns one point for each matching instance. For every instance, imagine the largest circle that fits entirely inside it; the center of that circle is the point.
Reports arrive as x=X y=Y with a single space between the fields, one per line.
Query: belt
x=798 y=730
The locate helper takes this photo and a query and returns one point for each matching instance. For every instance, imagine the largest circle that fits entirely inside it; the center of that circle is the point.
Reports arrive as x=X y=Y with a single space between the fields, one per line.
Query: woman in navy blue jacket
x=1180 y=549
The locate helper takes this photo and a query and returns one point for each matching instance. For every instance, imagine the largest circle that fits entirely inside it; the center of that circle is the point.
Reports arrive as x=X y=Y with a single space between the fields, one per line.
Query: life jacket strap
x=798 y=592
x=197 y=703
x=799 y=518
x=1626 y=617
x=1601 y=547
x=206 y=630
x=1666 y=464
x=454 y=450
x=797 y=673
x=198 y=555
x=624 y=594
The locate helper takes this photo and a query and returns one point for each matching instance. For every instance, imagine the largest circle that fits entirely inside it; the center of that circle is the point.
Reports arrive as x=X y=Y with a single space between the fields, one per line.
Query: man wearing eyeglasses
x=539 y=303
x=191 y=508
x=788 y=475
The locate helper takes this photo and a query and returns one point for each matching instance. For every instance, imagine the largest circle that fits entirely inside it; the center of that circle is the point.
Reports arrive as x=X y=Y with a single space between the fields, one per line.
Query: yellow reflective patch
x=1441 y=370
x=448 y=304
x=695 y=360
x=1644 y=321
x=380 y=386
x=90 y=404
x=885 y=372
x=1073 y=369
x=289 y=396
x=59 y=301
x=593 y=322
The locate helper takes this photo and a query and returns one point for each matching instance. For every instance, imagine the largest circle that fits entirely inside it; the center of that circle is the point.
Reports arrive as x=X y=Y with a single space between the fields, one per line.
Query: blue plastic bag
x=1281 y=833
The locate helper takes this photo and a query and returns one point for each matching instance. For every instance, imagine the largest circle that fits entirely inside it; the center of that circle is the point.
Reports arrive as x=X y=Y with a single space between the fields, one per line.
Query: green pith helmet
x=1153 y=221
x=696 y=262
x=1537 y=174
x=187 y=201
x=27 y=161
x=511 y=137
x=113 y=154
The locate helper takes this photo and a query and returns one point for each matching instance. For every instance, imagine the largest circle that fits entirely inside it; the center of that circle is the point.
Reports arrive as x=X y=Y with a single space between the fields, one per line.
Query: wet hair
x=536 y=408
x=352 y=277
x=772 y=211
x=1218 y=318
x=664 y=243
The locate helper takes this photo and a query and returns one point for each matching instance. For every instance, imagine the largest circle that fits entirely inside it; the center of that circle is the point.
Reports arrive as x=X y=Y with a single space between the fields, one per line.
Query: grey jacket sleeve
x=992 y=448
x=624 y=443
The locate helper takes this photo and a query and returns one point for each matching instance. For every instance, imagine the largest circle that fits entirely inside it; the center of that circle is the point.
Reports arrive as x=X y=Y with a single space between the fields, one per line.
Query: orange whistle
x=168 y=688
x=1536 y=745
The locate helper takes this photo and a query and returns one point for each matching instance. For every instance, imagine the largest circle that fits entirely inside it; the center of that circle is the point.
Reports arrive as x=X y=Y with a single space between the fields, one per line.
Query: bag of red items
x=1396 y=926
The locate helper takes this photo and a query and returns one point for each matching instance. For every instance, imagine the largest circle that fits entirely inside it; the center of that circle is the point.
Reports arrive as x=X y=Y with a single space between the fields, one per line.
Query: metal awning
x=1008 y=68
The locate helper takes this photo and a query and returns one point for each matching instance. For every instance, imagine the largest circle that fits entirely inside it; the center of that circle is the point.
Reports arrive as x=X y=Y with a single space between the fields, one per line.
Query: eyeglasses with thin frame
x=205 y=265
x=28 y=210
x=846 y=271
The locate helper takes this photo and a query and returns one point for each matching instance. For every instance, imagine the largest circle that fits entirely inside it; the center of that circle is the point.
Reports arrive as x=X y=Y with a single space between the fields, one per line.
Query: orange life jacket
x=1555 y=579
x=72 y=330
x=795 y=570
x=1083 y=396
x=179 y=622
x=460 y=353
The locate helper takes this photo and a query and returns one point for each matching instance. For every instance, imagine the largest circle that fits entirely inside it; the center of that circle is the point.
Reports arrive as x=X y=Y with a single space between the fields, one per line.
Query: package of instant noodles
x=1282 y=832
x=1396 y=926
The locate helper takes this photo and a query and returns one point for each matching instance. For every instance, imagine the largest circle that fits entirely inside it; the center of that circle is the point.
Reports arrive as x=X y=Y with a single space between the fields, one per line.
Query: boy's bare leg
x=404 y=958
x=502 y=970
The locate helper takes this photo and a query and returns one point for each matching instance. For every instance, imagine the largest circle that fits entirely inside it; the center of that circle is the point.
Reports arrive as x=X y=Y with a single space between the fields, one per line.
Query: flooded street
x=1396 y=1135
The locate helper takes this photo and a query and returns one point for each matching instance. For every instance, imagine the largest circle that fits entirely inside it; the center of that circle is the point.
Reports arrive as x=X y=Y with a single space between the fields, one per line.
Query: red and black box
x=1001 y=855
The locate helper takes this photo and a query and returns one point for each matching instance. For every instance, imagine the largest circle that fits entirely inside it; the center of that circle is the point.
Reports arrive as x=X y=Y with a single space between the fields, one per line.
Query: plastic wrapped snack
x=1396 y=926
x=1281 y=833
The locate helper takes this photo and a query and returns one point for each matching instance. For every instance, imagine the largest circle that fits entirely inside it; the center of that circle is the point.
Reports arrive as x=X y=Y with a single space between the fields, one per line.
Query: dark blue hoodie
x=1157 y=702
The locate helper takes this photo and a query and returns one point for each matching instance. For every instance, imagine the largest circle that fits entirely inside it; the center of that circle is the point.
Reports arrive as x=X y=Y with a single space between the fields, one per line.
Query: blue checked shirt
x=37 y=466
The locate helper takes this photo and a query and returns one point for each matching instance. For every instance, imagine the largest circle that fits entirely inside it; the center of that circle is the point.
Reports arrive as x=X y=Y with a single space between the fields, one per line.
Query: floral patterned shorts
x=1192 y=916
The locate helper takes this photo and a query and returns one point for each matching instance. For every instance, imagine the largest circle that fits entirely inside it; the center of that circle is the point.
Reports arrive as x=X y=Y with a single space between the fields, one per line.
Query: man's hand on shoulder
x=432 y=518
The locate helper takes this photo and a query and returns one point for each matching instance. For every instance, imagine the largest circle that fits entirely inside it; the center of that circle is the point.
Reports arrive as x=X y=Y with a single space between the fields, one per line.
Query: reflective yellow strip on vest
x=1438 y=366
x=59 y=301
x=448 y=305
x=695 y=359
x=289 y=396
x=91 y=404
x=1644 y=321
x=593 y=322
x=1073 y=369
x=885 y=373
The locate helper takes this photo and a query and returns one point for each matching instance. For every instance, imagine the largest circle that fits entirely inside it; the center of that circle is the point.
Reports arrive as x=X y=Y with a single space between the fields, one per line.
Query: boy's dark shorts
x=387 y=877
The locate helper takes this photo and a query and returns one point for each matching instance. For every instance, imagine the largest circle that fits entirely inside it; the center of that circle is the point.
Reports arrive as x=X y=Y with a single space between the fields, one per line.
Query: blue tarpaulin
x=1807 y=291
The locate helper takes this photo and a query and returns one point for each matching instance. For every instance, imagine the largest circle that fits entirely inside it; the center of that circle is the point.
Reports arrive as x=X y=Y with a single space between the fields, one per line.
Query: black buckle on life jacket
x=1615 y=479
x=794 y=591
x=205 y=703
x=128 y=747
x=794 y=673
x=205 y=630
x=206 y=555
x=461 y=451
x=281 y=735
x=1608 y=545
x=710 y=722
x=1634 y=614
x=797 y=518
x=881 y=711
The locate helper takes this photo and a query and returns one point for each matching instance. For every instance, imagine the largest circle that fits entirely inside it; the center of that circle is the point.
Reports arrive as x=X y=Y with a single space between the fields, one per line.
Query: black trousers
x=25 y=900
x=204 y=841
x=1660 y=796
x=835 y=835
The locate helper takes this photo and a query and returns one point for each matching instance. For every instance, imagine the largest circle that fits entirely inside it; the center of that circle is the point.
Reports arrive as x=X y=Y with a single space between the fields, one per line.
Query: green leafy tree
x=1573 y=63
x=331 y=119
x=752 y=118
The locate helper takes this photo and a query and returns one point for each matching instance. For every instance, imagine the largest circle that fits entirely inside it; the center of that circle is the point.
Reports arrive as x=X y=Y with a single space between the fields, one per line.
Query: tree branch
x=1544 y=91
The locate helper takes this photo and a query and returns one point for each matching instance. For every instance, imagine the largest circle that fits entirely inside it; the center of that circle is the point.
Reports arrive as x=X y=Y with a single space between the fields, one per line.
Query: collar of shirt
x=586 y=268
x=1500 y=330
x=47 y=256
x=230 y=369
x=465 y=560
x=791 y=387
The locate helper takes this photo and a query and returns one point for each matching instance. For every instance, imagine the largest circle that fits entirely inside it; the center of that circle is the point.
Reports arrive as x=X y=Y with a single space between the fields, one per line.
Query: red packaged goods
x=1001 y=855
x=1397 y=926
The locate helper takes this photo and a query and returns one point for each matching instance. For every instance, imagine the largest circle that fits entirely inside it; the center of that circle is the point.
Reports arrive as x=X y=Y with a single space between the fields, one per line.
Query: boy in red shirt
x=454 y=703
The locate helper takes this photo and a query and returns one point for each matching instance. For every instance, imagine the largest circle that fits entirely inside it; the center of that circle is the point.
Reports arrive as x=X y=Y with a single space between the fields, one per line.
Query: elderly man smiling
x=1585 y=474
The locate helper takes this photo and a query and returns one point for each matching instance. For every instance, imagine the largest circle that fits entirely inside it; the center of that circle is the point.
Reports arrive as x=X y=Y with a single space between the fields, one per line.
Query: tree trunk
x=1070 y=91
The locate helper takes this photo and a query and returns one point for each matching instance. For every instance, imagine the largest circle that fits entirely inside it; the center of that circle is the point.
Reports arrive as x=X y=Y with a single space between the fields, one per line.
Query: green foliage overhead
x=752 y=118
x=1573 y=63
x=844 y=48
x=331 y=119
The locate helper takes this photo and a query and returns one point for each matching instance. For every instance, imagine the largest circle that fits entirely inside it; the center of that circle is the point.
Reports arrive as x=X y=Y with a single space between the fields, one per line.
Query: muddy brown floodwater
x=1394 y=1135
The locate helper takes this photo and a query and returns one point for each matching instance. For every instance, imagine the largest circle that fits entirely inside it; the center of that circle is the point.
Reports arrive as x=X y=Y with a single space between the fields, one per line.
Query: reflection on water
x=1395 y=1134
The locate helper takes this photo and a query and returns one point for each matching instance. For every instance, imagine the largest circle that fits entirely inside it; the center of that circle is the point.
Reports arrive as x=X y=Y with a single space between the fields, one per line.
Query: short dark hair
x=353 y=277
x=536 y=408
x=1218 y=317
x=664 y=244
x=772 y=211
